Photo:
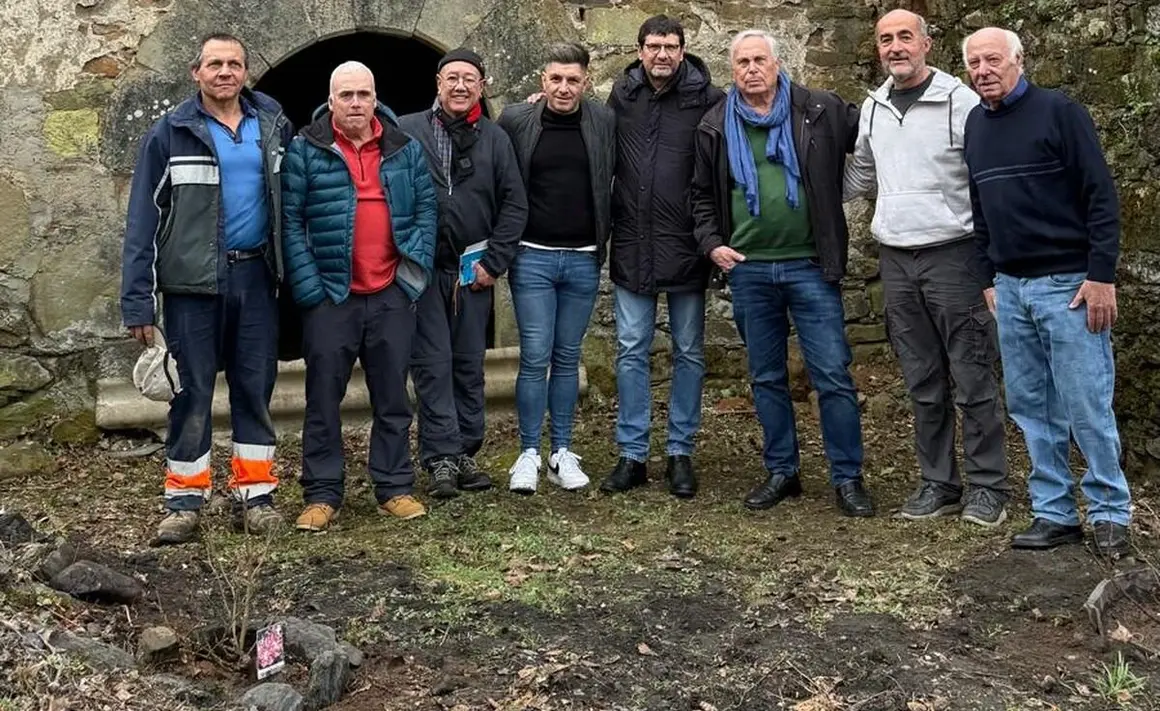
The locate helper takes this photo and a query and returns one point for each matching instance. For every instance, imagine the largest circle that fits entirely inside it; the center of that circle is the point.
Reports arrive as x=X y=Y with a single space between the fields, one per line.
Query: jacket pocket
x=914 y=216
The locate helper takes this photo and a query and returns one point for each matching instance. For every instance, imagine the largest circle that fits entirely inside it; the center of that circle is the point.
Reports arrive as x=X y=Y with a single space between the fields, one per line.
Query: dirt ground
x=583 y=601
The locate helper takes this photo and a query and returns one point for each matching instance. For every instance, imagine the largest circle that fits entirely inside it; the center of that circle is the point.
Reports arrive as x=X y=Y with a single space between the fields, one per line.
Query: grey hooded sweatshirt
x=915 y=164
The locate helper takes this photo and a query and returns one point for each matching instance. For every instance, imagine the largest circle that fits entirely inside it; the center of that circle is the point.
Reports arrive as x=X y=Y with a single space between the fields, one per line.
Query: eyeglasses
x=655 y=49
x=468 y=82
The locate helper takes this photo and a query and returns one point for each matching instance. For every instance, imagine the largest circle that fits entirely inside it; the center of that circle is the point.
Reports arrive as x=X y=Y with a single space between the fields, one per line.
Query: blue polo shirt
x=245 y=211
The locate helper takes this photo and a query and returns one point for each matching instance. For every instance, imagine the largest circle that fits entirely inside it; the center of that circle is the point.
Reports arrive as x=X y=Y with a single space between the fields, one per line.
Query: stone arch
x=508 y=33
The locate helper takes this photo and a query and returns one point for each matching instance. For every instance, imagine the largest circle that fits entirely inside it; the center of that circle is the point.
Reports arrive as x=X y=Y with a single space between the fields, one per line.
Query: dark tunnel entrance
x=404 y=70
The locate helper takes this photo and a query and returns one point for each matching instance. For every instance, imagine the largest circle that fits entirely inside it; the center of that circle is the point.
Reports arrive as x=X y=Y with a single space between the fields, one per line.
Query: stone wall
x=80 y=81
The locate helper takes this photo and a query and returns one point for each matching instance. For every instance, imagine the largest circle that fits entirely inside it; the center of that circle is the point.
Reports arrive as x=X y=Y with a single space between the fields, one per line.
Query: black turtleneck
x=560 y=208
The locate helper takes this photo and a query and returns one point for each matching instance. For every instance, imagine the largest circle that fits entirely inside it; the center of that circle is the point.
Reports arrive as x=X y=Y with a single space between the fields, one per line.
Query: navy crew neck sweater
x=1044 y=200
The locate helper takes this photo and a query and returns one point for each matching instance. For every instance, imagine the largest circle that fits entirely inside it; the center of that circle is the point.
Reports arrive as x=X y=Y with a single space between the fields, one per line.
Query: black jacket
x=653 y=247
x=825 y=127
x=598 y=129
x=490 y=204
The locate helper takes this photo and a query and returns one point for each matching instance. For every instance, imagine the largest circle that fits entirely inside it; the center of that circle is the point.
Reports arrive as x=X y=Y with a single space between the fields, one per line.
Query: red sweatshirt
x=374 y=257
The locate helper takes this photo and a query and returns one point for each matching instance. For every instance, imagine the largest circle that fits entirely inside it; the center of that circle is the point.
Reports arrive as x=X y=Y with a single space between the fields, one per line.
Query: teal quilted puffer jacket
x=318 y=208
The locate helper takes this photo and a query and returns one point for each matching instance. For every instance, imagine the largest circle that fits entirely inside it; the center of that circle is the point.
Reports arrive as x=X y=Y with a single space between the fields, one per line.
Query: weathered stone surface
x=449 y=22
x=876 y=294
x=855 y=304
x=613 y=25
x=866 y=332
x=272 y=697
x=77 y=289
x=22 y=459
x=14 y=221
x=25 y=415
x=355 y=656
x=61 y=554
x=16 y=530
x=98 y=655
x=329 y=675
x=78 y=428
x=157 y=645
x=21 y=373
x=97 y=583
x=71 y=134
x=306 y=640
x=183 y=689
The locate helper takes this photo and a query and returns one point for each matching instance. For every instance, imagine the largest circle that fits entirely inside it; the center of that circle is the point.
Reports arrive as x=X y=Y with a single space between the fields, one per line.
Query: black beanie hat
x=462 y=54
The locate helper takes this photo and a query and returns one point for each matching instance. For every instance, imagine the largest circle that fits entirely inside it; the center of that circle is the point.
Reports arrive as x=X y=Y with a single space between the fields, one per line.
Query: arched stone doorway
x=404 y=70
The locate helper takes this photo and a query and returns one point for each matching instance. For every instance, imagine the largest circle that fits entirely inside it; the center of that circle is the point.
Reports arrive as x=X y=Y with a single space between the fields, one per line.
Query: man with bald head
x=1047 y=226
x=357 y=278
x=910 y=152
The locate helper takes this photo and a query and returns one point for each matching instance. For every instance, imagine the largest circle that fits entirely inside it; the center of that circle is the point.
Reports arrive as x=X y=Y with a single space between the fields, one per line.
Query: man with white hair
x=1047 y=226
x=767 y=209
x=910 y=151
x=357 y=278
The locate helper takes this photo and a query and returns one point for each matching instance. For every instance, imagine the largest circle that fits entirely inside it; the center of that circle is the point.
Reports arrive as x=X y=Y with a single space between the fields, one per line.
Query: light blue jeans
x=635 y=326
x=553 y=293
x=1060 y=380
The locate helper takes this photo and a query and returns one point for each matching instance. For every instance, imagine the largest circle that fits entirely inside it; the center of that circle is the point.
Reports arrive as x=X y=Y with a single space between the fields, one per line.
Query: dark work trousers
x=447 y=367
x=238 y=332
x=942 y=332
x=377 y=329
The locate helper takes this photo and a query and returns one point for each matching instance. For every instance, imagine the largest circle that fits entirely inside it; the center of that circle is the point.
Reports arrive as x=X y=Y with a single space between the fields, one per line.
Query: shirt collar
x=376 y=132
x=1016 y=94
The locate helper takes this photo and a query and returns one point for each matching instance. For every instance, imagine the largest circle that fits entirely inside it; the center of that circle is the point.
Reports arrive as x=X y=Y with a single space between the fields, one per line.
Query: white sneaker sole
x=555 y=479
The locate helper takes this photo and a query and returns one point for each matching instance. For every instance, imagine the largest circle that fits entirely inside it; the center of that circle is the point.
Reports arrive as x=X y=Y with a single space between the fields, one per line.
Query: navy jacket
x=174 y=218
x=318 y=207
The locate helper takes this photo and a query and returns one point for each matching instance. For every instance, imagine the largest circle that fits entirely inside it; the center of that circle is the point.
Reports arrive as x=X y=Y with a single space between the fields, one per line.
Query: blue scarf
x=779 y=146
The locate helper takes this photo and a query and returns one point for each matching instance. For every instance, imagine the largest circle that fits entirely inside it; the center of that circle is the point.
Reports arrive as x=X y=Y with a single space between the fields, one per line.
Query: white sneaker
x=564 y=470
x=525 y=473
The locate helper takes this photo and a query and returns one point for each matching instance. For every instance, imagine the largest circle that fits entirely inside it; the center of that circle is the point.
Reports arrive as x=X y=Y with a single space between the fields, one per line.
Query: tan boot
x=316 y=517
x=177 y=527
x=403 y=507
x=258 y=520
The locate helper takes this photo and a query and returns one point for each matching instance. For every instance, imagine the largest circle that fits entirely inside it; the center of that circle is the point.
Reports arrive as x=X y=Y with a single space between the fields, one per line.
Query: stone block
x=876 y=294
x=71 y=134
x=156 y=645
x=871 y=353
x=98 y=583
x=614 y=25
x=98 y=655
x=14 y=221
x=23 y=459
x=272 y=697
x=21 y=373
x=26 y=415
x=329 y=675
x=75 y=286
x=866 y=332
x=855 y=304
x=78 y=428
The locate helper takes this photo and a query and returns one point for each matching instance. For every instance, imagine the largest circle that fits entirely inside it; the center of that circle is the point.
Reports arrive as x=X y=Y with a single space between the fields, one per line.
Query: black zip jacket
x=653 y=247
x=490 y=204
x=825 y=127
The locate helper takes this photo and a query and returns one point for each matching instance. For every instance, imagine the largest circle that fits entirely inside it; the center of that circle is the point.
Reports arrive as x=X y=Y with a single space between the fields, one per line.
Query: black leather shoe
x=854 y=500
x=628 y=474
x=773 y=491
x=1110 y=539
x=442 y=474
x=1043 y=534
x=682 y=478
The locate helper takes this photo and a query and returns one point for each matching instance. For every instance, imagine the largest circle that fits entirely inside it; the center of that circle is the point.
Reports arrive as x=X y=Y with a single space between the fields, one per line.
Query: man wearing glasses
x=482 y=213
x=658 y=102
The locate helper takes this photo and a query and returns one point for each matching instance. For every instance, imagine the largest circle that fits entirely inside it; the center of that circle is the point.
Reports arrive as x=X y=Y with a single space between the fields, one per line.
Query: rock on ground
x=97 y=583
x=182 y=689
x=329 y=675
x=157 y=644
x=15 y=529
x=352 y=653
x=306 y=640
x=98 y=655
x=272 y=696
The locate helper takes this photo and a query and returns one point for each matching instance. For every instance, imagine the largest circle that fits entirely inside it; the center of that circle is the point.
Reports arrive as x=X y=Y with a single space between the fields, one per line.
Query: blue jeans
x=553 y=292
x=1060 y=381
x=635 y=325
x=765 y=294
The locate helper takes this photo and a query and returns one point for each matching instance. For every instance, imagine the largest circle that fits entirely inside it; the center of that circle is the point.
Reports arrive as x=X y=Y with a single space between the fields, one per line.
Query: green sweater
x=780 y=232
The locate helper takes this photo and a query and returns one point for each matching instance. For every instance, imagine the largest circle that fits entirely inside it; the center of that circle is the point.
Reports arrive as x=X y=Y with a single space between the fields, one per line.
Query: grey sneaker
x=985 y=507
x=443 y=475
x=177 y=527
x=258 y=520
x=931 y=500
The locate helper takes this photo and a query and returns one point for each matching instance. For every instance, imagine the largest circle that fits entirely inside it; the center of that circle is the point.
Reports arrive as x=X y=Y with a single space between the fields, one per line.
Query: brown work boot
x=177 y=527
x=258 y=520
x=316 y=517
x=404 y=507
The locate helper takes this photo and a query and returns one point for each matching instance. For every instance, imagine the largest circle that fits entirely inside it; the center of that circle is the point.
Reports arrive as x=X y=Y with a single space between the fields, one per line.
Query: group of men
x=390 y=232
